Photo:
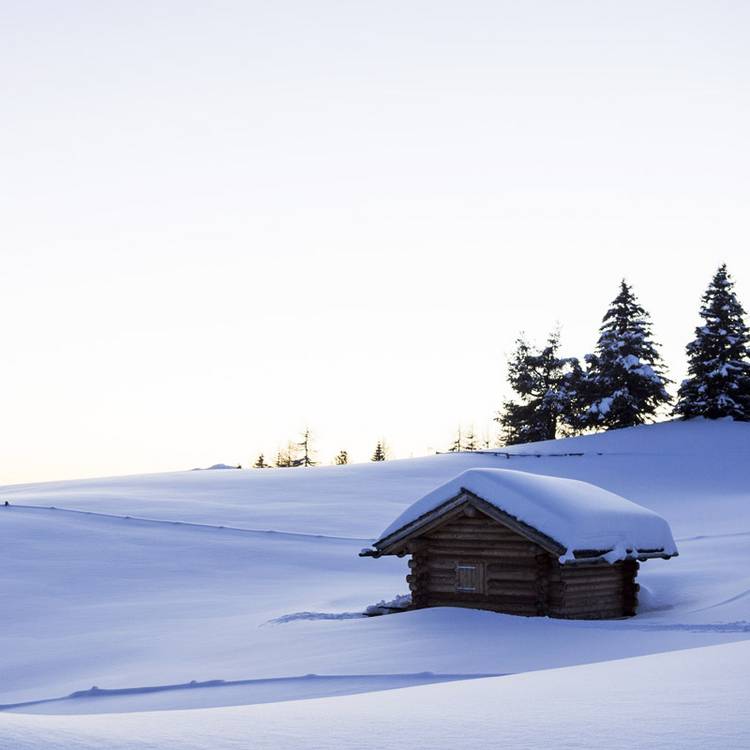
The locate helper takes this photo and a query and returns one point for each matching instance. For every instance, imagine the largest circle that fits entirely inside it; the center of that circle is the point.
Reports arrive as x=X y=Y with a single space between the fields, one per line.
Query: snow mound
x=577 y=515
x=215 y=466
x=399 y=603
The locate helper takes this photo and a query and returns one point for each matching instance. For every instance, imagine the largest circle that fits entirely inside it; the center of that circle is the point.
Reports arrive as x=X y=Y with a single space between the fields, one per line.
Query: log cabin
x=524 y=544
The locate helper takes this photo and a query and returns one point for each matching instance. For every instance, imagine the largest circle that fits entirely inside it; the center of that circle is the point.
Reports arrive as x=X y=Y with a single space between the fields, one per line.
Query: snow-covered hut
x=525 y=544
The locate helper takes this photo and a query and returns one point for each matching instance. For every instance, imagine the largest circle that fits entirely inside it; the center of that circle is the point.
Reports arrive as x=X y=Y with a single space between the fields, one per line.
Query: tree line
x=623 y=383
x=302 y=453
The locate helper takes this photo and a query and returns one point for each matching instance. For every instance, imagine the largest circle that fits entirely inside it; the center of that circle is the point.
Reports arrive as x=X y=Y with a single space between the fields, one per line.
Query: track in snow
x=191 y=524
x=214 y=693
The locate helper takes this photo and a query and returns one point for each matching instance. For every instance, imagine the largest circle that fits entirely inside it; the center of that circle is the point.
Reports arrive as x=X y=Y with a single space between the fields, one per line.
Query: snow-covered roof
x=575 y=515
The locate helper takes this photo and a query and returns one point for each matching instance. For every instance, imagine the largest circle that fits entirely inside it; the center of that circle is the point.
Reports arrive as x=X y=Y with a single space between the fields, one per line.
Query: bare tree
x=305 y=445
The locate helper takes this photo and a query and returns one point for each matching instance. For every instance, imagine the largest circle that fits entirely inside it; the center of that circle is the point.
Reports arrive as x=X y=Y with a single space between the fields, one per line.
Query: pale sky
x=224 y=221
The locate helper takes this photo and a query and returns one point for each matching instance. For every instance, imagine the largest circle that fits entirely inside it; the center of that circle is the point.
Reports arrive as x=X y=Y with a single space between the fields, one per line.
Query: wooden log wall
x=517 y=576
x=593 y=591
x=510 y=567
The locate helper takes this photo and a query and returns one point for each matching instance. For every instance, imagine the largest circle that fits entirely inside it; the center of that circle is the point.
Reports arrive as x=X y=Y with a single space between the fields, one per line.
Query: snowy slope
x=686 y=700
x=96 y=598
x=666 y=467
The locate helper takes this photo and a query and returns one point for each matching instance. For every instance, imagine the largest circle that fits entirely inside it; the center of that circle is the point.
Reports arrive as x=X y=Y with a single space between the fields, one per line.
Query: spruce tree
x=718 y=382
x=470 y=442
x=341 y=458
x=572 y=397
x=624 y=383
x=516 y=420
x=380 y=451
x=540 y=379
x=517 y=424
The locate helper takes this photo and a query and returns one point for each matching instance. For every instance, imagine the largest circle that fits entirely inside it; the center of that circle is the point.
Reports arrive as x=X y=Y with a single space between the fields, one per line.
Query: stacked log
x=630 y=587
x=418 y=580
x=508 y=564
x=592 y=591
x=515 y=575
x=543 y=568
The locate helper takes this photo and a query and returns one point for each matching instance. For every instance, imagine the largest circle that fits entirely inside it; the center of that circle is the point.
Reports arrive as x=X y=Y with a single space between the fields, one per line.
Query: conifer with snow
x=540 y=378
x=624 y=383
x=718 y=383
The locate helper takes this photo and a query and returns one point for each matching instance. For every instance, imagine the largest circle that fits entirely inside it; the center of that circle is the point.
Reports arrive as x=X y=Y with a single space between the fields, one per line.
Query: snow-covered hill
x=252 y=577
x=684 y=700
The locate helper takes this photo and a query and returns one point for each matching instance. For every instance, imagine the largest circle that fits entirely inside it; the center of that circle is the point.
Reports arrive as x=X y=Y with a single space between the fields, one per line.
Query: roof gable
x=455 y=507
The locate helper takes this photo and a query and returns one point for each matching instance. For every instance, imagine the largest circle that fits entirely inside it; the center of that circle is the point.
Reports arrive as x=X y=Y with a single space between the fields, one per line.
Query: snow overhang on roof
x=571 y=519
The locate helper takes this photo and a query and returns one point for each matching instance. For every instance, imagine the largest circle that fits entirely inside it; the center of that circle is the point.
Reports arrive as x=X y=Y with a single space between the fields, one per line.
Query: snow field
x=96 y=598
x=684 y=700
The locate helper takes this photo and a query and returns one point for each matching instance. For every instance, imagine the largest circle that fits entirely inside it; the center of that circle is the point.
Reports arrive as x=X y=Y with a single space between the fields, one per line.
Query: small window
x=468 y=578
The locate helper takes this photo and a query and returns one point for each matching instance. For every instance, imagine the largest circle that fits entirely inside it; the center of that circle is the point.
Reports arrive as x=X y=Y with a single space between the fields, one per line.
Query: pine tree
x=541 y=380
x=624 y=383
x=718 y=383
x=518 y=424
x=457 y=445
x=470 y=443
x=260 y=463
x=380 y=453
x=305 y=445
x=341 y=458
x=572 y=399
x=516 y=419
